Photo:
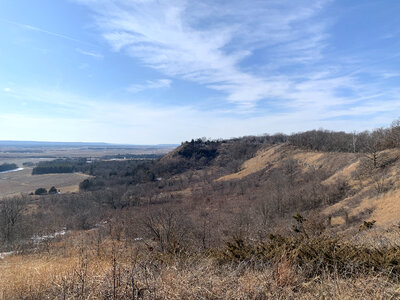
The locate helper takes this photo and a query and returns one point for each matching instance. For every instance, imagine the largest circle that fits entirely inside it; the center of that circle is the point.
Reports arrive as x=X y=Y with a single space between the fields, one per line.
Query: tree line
x=60 y=166
x=362 y=142
x=7 y=167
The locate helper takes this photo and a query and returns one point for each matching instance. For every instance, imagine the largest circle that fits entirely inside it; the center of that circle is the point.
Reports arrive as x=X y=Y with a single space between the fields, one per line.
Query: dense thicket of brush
x=315 y=256
x=89 y=266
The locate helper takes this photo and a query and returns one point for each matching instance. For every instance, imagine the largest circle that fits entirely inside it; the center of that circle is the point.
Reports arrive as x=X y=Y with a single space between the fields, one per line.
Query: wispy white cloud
x=47 y=32
x=66 y=116
x=267 y=58
x=390 y=74
x=213 y=43
x=90 y=53
x=7 y=89
x=150 y=84
x=206 y=42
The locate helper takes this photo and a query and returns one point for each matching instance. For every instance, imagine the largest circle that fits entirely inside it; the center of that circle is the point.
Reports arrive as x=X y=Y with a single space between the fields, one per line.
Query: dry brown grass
x=368 y=200
x=387 y=208
x=257 y=163
x=22 y=275
x=123 y=271
x=364 y=201
x=32 y=277
x=341 y=164
x=345 y=174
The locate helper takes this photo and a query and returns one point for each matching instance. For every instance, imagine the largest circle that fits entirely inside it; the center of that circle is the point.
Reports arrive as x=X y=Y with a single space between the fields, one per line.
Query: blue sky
x=149 y=72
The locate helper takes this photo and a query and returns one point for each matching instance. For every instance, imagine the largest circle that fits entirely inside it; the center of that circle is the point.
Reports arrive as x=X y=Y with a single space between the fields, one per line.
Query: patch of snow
x=101 y=224
x=4 y=254
x=14 y=170
x=41 y=238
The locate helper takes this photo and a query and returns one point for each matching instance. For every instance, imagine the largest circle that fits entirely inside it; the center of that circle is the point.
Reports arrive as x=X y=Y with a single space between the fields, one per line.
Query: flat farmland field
x=23 y=182
x=28 y=154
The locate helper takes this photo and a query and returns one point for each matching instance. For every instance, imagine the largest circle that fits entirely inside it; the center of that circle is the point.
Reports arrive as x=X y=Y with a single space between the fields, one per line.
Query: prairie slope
x=371 y=196
x=274 y=156
x=263 y=158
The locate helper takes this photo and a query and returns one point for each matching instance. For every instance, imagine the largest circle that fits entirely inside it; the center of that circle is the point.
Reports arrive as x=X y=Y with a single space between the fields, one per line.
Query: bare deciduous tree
x=168 y=227
x=10 y=215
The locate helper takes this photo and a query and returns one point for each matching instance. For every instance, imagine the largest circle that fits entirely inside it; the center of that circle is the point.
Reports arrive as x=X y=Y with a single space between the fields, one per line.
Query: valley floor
x=23 y=182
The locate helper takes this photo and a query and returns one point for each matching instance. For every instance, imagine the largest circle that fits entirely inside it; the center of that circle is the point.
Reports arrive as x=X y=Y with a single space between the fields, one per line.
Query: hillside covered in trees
x=307 y=215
